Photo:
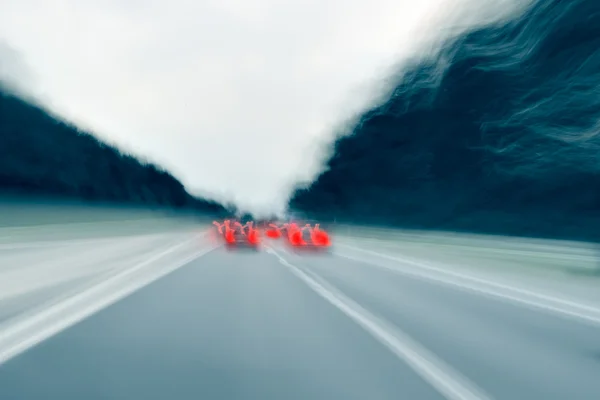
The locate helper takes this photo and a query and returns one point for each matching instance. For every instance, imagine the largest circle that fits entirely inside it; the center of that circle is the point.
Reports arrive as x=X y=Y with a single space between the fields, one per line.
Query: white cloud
x=227 y=94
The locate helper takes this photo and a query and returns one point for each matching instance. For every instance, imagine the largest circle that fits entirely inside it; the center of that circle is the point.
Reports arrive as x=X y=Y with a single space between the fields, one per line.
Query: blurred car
x=236 y=238
x=308 y=236
x=237 y=235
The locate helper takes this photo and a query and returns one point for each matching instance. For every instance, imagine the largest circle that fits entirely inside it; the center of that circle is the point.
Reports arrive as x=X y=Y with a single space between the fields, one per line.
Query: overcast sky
x=229 y=95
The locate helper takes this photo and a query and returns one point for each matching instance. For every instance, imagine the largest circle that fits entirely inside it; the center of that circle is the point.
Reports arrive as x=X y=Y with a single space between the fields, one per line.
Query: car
x=308 y=237
x=236 y=239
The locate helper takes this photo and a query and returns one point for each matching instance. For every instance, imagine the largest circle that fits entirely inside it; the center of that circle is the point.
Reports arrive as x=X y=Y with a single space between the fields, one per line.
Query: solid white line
x=97 y=240
x=71 y=242
x=566 y=255
x=84 y=223
x=22 y=335
x=484 y=286
x=441 y=376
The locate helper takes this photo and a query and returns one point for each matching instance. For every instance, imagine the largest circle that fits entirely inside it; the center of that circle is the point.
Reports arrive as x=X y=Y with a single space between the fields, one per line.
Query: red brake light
x=321 y=238
x=253 y=237
x=272 y=233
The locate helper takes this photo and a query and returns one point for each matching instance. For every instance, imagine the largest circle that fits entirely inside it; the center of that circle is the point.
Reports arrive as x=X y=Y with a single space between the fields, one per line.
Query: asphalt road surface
x=200 y=322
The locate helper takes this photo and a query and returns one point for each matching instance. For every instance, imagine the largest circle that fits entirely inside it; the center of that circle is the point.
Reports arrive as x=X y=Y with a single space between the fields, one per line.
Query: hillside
x=42 y=156
x=497 y=132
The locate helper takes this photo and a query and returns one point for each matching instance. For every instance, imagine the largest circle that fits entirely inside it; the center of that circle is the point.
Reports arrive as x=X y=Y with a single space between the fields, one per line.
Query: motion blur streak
x=496 y=131
x=550 y=303
x=20 y=334
x=183 y=83
x=240 y=325
x=440 y=376
x=492 y=127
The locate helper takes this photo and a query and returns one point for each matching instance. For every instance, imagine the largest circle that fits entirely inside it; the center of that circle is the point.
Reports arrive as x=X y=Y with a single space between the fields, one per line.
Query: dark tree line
x=498 y=132
x=42 y=155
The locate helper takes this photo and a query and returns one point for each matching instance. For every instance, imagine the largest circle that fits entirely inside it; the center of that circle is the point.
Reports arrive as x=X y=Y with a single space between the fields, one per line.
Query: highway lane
x=247 y=326
x=35 y=272
x=226 y=326
x=574 y=276
x=510 y=351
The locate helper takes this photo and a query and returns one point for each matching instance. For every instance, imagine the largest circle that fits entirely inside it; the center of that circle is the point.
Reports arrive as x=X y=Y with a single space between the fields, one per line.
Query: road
x=203 y=323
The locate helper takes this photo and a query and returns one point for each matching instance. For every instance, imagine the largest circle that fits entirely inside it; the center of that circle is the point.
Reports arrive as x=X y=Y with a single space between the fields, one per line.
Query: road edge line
x=23 y=335
x=434 y=371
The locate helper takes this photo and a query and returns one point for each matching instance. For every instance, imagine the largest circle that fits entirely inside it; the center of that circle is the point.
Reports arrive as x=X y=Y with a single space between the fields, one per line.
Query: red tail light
x=274 y=234
x=296 y=238
x=253 y=237
x=321 y=238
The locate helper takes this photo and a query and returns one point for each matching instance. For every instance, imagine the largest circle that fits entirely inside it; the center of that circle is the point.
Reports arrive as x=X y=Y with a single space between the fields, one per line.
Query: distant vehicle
x=305 y=234
x=237 y=235
x=308 y=236
x=236 y=239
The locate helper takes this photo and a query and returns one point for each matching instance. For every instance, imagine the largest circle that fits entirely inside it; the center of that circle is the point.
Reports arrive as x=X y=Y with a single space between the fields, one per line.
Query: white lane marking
x=551 y=252
x=117 y=221
x=22 y=274
x=483 y=286
x=435 y=237
x=28 y=332
x=78 y=242
x=72 y=242
x=52 y=243
x=433 y=370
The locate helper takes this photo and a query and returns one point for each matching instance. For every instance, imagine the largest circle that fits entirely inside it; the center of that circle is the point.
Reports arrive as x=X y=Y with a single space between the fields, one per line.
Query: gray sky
x=230 y=95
